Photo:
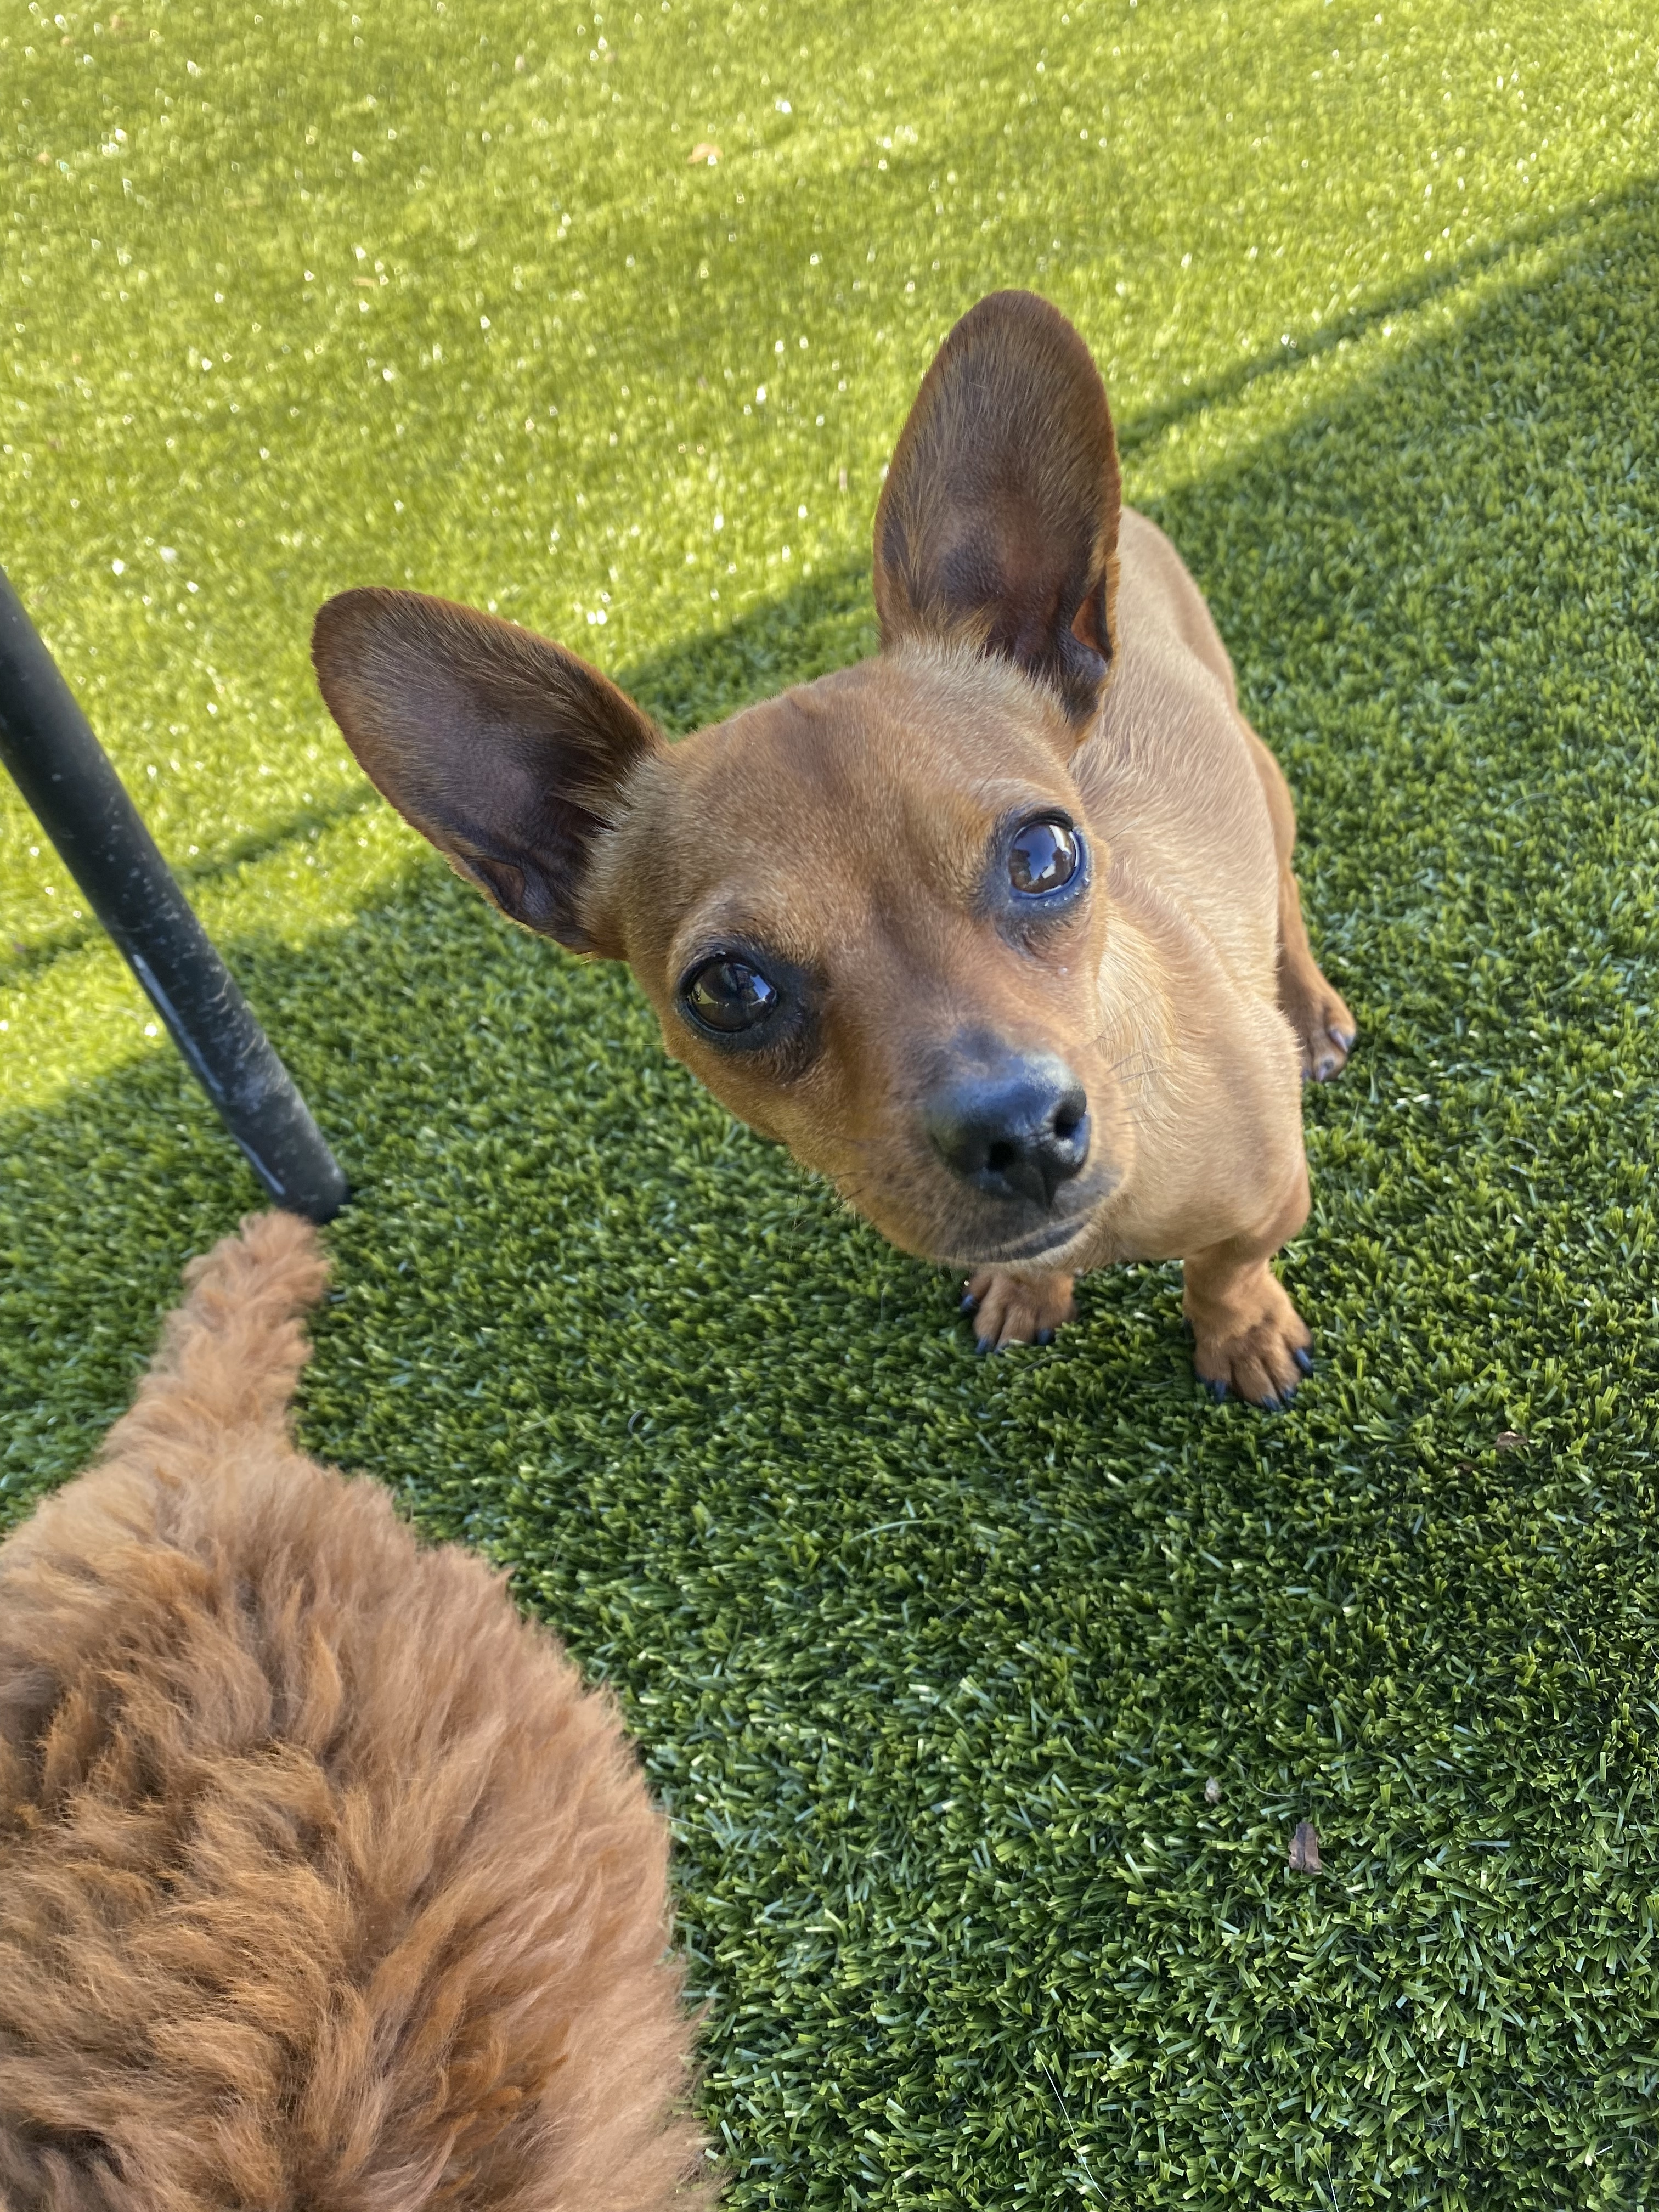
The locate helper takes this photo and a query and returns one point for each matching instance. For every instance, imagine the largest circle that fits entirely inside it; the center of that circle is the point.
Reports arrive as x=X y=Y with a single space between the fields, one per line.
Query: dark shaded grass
x=932 y=1657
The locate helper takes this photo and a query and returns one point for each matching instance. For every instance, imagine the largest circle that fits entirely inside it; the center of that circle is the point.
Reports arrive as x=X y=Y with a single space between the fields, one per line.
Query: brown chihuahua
x=998 y=930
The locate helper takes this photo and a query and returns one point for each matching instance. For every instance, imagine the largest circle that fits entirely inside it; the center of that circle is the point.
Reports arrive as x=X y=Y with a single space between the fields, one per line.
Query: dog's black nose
x=1014 y=1126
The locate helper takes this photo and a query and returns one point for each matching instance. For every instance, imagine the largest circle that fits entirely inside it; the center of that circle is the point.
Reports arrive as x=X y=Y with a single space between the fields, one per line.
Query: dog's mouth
x=1045 y=1244
x=1049 y=1242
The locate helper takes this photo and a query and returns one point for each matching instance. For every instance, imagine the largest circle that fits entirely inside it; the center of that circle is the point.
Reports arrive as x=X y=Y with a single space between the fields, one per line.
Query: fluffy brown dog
x=1011 y=952
x=324 y=1882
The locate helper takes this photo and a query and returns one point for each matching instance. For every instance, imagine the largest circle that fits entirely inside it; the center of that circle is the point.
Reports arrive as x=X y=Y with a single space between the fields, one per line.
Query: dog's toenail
x=1270 y=1404
x=1044 y=1336
x=1217 y=1390
x=1304 y=1360
x=969 y=1303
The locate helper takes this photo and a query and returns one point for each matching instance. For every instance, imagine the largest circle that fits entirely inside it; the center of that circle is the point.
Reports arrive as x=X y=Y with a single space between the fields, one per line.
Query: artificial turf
x=933 y=1658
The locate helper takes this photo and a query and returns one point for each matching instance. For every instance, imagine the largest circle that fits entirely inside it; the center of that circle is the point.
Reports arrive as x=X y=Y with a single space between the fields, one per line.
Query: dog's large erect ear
x=510 y=753
x=999 y=519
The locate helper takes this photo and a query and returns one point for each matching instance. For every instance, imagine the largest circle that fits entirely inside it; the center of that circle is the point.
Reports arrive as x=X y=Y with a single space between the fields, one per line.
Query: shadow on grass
x=1559 y=231
x=21 y=960
x=932 y=1657
x=822 y=624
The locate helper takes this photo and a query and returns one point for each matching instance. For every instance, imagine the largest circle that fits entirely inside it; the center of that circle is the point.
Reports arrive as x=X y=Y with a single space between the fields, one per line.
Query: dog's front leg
x=1249 y=1338
x=1016 y=1306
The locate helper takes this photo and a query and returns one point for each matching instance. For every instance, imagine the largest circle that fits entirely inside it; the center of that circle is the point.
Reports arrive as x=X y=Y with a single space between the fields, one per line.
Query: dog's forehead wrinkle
x=956 y=673
x=776 y=753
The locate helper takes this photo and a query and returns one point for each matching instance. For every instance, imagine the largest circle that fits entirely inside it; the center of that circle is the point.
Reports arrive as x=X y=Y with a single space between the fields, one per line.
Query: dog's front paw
x=1260 y=1355
x=1324 y=1028
x=1017 y=1308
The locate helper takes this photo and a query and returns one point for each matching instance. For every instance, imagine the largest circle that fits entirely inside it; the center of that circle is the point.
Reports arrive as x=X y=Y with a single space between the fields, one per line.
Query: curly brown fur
x=324 y=1881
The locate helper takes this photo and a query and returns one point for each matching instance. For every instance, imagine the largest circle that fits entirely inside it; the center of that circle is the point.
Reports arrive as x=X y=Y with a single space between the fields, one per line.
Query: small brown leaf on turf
x=1212 y=1791
x=704 y=150
x=1304 y=1849
x=1512 y=1440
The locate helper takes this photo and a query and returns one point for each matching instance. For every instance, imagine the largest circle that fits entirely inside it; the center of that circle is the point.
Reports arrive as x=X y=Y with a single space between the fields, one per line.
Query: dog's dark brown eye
x=1043 y=858
x=728 y=996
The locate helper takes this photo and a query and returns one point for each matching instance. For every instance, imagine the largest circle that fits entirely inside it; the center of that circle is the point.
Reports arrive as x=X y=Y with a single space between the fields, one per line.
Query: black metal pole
x=65 y=776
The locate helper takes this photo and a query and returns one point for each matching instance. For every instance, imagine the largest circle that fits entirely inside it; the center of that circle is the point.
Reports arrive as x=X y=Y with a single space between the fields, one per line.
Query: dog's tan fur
x=324 y=1882
x=844 y=828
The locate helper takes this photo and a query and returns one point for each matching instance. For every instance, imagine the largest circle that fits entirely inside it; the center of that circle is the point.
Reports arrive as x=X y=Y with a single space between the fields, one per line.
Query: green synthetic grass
x=932 y=1658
